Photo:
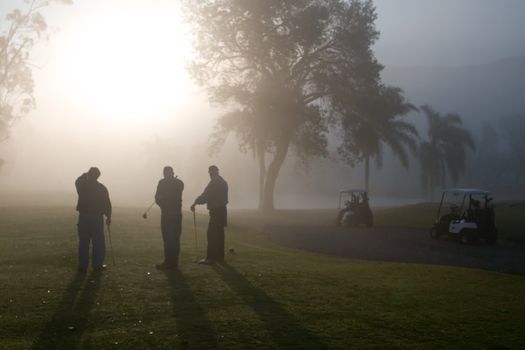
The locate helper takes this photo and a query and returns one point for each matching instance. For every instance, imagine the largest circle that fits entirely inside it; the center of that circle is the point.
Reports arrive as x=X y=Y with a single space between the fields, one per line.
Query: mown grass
x=264 y=297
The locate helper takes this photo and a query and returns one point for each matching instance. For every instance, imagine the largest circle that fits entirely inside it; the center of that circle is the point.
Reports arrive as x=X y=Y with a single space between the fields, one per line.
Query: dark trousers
x=170 y=224
x=215 y=234
x=91 y=230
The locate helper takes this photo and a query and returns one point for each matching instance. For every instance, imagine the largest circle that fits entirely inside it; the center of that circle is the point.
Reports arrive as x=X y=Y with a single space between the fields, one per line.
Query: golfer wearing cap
x=93 y=203
x=169 y=198
x=215 y=196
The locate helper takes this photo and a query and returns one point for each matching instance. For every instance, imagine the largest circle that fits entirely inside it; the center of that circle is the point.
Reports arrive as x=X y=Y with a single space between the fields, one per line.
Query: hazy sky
x=449 y=32
x=421 y=32
x=112 y=91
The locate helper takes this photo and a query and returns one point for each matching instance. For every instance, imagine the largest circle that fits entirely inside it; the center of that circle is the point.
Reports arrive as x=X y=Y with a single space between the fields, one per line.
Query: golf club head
x=231 y=250
x=145 y=216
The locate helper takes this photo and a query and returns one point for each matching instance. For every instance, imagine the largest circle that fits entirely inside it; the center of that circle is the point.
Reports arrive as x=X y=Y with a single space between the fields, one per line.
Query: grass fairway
x=264 y=297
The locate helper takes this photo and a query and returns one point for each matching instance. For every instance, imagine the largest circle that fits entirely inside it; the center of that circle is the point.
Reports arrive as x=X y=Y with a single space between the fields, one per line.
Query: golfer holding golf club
x=169 y=198
x=215 y=196
x=93 y=203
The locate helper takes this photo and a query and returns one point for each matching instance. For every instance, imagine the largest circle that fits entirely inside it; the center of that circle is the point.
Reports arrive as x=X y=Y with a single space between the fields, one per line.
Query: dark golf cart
x=470 y=216
x=354 y=209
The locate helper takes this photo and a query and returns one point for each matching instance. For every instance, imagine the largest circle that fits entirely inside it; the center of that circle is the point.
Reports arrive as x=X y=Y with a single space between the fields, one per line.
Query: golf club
x=195 y=233
x=111 y=245
x=145 y=215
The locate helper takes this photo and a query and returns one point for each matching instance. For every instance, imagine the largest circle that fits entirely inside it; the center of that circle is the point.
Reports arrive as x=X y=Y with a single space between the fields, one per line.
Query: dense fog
x=472 y=73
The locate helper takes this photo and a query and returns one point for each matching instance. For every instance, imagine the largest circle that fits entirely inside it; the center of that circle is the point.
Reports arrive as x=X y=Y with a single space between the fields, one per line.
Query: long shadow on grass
x=68 y=323
x=284 y=328
x=193 y=328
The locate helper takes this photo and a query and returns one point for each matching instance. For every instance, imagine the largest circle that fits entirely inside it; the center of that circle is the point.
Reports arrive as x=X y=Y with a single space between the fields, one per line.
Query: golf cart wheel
x=434 y=233
x=466 y=237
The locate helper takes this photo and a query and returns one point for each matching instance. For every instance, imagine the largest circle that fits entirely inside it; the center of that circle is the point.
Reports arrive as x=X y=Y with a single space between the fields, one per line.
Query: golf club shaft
x=195 y=233
x=151 y=206
x=111 y=246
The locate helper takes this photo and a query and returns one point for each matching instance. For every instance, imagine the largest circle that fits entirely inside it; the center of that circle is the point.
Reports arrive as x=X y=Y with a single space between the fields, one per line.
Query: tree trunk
x=367 y=174
x=431 y=187
x=273 y=171
x=262 y=175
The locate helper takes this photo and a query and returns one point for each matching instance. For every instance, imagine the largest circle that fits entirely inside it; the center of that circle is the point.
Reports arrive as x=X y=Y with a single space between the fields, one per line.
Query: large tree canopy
x=279 y=67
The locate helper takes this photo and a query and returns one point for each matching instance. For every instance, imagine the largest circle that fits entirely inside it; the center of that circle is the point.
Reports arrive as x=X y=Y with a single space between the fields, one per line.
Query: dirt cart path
x=399 y=245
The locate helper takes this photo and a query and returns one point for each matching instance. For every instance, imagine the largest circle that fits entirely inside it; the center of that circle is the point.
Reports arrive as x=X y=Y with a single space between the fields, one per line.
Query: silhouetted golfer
x=93 y=204
x=215 y=196
x=169 y=199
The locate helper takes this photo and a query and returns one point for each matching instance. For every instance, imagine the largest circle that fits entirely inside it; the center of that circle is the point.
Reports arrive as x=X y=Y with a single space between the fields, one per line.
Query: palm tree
x=377 y=123
x=445 y=152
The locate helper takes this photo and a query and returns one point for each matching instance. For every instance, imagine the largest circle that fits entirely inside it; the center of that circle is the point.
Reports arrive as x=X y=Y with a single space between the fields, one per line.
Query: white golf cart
x=354 y=209
x=470 y=216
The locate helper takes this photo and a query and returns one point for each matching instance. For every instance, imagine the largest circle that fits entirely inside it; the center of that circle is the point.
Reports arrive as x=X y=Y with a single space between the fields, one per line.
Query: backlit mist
x=113 y=91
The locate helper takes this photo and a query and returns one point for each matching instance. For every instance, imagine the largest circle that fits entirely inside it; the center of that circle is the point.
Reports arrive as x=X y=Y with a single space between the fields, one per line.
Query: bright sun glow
x=127 y=63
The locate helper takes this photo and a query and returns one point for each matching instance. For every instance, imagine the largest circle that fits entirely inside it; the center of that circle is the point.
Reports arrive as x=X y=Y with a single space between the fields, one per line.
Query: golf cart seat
x=467 y=219
x=356 y=209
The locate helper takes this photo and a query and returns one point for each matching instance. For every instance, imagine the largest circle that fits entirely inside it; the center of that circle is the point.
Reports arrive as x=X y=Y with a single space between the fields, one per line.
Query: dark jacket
x=215 y=195
x=93 y=197
x=169 y=194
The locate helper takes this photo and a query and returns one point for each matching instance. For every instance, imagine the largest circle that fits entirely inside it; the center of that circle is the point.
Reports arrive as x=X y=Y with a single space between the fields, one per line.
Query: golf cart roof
x=353 y=191
x=469 y=191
